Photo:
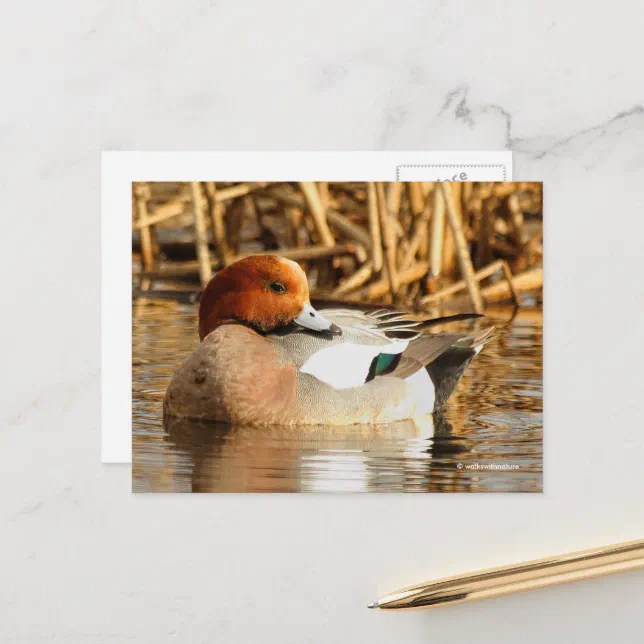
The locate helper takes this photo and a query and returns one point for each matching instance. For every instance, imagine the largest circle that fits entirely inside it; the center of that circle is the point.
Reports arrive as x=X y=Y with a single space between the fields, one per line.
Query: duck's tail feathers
x=446 y=370
x=399 y=326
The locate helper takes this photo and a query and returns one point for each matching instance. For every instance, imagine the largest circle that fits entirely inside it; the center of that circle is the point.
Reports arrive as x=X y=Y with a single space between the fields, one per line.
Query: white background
x=559 y=84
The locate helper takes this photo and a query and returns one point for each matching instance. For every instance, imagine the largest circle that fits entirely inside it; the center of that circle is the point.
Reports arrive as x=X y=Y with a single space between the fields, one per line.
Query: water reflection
x=302 y=459
x=488 y=439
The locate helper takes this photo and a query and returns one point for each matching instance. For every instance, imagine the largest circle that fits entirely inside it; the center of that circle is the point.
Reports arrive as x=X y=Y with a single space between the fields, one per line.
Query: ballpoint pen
x=518 y=577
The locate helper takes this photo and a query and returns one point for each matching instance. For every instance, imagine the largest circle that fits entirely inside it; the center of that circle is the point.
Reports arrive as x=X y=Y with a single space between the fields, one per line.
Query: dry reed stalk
x=201 y=238
x=485 y=189
x=176 y=269
x=462 y=253
x=177 y=206
x=342 y=263
x=420 y=233
x=416 y=197
x=309 y=227
x=142 y=194
x=503 y=189
x=449 y=254
x=296 y=254
x=414 y=289
x=504 y=248
x=215 y=210
x=398 y=228
x=480 y=275
x=394 y=200
x=340 y=222
x=466 y=193
x=346 y=265
x=323 y=188
x=345 y=226
x=282 y=195
x=423 y=248
x=386 y=219
x=388 y=238
x=486 y=231
x=312 y=252
x=356 y=280
x=374 y=227
x=294 y=206
x=516 y=219
x=501 y=227
x=314 y=204
x=394 y=196
x=294 y=216
x=533 y=247
x=456 y=188
x=437 y=234
x=507 y=273
x=240 y=190
x=162 y=213
x=529 y=281
x=382 y=287
x=251 y=211
x=235 y=216
x=474 y=208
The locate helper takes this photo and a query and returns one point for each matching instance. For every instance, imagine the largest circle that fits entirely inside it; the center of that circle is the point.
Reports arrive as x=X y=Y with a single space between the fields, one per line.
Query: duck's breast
x=234 y=375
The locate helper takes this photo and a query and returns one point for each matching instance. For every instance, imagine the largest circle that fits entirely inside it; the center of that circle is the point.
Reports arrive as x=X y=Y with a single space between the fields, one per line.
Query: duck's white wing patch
x=347 y=365
x=342 y=365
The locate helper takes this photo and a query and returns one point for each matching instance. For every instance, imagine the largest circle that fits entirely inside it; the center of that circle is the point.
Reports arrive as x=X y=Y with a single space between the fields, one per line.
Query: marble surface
x=559 y=84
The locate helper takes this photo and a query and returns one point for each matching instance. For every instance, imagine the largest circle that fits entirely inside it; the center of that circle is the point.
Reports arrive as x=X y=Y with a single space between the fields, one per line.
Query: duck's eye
x=277 y=287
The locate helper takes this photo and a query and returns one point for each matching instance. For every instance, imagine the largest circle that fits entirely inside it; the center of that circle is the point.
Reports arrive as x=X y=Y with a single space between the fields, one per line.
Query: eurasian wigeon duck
x=267 y=357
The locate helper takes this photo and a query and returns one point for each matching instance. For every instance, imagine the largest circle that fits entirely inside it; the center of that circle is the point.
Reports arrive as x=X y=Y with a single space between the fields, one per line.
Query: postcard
x=336 y=336
x=121 y=169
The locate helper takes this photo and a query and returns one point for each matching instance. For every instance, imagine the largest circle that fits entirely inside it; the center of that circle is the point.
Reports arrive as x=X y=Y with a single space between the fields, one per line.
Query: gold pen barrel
x=519 y=577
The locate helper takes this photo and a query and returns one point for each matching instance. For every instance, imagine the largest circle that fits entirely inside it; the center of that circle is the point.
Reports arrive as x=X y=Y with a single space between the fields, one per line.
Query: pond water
x=489 y=438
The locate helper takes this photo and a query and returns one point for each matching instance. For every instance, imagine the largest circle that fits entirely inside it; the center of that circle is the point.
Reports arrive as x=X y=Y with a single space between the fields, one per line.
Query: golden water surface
x=488 y=440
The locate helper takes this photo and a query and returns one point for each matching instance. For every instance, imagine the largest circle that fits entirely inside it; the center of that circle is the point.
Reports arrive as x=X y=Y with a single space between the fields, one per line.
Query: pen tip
x=374 y=605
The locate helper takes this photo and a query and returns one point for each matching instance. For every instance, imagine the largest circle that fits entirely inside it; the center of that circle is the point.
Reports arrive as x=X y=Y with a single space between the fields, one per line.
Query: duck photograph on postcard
x=337 y=337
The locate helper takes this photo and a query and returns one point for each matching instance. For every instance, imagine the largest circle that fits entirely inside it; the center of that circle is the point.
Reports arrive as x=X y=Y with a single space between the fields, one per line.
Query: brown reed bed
x=415 y=245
